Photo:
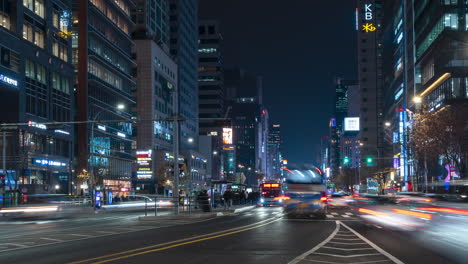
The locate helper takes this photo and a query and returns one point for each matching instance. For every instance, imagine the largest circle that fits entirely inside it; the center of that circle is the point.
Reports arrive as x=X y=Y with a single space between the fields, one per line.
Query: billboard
x=351 y=124
x=227 y=136
x=144 y=170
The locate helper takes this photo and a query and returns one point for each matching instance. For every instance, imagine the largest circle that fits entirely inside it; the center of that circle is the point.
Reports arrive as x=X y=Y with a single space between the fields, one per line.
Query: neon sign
x=144 y=159
x=368 y=27
x=8 y=80
x=46 y=162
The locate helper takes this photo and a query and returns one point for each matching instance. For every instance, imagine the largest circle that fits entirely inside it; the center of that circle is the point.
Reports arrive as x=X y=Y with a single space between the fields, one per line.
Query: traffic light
x=346 y=160
x=369 y=160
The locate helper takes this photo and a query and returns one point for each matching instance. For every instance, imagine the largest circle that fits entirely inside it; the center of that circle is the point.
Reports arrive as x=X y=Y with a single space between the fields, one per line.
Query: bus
x=305 y=193
x=270 y=194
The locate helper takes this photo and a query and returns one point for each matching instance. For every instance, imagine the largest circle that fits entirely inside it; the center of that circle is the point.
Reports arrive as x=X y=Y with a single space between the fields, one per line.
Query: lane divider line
x=383 y=252
x=158 y=246
x=317 y=247
x=183 y=243
x=85 y=238
x=51 y=239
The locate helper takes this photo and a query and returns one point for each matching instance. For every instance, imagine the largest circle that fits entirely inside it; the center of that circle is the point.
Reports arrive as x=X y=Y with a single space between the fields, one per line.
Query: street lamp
x=90 y=164
x=417 y=99
x=215 y=152
x=190 y=140
x=387 y=124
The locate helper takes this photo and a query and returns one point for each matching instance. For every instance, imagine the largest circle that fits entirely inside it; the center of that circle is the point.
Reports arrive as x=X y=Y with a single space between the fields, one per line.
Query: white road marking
x=348 y=213
x=346 y=243
x=107 y=232
x=330 y=216
x=348 y=256
x=13 y=244
x=305 y=254
x=334 y=213
x=347 y=239
x=347 y=249
x=345 y=235
x=80 y=235
x=374 y=261
x=383 y=252
x=346 y=216
x=51 y=239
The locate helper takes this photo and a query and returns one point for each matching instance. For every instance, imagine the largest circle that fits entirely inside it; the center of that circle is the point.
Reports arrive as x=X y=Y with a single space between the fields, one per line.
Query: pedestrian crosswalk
x=338 y=215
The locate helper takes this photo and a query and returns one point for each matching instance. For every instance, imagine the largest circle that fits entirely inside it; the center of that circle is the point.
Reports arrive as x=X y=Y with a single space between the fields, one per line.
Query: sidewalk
x=199 y=214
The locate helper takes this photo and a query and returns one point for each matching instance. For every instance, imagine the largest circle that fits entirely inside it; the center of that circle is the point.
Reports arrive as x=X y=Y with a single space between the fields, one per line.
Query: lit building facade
x=184 y=49
x=36 y=84
x=155 y=94
x=274 y=152
x=369 y=15
x=102 y=54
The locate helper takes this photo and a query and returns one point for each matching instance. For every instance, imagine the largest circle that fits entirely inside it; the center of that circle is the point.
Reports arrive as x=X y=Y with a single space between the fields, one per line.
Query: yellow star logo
x=368 y=27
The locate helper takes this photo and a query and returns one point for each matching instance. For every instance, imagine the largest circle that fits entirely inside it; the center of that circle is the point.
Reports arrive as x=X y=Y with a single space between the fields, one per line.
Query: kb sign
x=368 y=12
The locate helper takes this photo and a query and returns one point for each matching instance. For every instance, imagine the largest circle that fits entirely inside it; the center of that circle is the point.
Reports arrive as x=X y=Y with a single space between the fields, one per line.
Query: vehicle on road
x=270 y=194
x=305 y=193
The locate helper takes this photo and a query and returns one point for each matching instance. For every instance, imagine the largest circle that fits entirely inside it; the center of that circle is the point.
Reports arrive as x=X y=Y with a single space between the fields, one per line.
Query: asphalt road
x=262 y=235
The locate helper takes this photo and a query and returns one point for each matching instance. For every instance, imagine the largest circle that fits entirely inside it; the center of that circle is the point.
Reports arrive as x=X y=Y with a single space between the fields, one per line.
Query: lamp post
x=90 y=163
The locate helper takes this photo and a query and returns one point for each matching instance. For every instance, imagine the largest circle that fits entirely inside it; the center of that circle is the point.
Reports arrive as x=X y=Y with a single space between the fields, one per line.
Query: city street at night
x=233 y=131
x=262 y=235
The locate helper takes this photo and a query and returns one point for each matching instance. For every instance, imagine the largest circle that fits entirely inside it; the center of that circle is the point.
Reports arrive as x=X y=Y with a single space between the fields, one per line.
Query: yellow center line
x=181 y=242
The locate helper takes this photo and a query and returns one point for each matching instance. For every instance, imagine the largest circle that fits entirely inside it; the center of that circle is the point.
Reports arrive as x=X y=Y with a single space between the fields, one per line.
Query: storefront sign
x=36 y=125
x=46 y=162
x=8 y=80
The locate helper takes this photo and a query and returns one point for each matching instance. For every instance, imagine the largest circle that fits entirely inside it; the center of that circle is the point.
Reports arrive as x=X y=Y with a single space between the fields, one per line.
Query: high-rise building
x=425 y=50
x=211 y=96
x=152 y=21
x=156 y=83
x=274 y=152
x=337 y=128
x=36 y=87
x=369 y=16
x=184 y=49
x=102 y=54
x=249 y=121
x=211 y=76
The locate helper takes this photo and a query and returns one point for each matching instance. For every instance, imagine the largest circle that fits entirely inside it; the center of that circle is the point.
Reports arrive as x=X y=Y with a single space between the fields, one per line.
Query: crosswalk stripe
x=334 y=213
x=330 y=216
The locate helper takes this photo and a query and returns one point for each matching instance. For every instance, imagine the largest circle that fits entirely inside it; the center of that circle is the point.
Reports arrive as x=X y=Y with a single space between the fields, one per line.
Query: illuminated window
x=39 y=8
x=39 y=38
x=28 y=32
x=4 y=19
x=29 y=4
x=448 y=21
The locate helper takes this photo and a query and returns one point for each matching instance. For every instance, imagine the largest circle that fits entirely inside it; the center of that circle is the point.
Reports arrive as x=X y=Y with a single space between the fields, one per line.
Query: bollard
x=156 y=206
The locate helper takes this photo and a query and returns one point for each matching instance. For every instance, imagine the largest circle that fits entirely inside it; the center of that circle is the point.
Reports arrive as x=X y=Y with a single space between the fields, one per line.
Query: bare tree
x=441 y=133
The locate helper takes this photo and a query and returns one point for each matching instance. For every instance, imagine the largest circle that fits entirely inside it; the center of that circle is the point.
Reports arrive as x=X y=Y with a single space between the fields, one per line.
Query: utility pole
x=175 y=192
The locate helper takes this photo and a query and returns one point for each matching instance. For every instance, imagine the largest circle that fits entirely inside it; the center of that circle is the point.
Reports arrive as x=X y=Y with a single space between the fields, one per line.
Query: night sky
x=298 y=46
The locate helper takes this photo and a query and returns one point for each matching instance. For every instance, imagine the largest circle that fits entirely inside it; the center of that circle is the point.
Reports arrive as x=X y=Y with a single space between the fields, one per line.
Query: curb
x=176 y=217
x=244 y=209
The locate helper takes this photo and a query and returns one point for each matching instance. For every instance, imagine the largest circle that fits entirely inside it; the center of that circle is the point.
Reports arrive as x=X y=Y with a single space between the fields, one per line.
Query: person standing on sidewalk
x=227 y=199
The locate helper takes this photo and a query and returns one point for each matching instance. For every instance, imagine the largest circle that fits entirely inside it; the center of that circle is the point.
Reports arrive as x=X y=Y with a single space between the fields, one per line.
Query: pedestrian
x=250 y=198
x=228 y=195
x=242 y=197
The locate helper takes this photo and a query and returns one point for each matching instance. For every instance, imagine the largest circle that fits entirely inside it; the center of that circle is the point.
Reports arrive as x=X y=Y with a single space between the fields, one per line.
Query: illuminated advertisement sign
x=144 y=170
x=46 y=162
x=351 y=124
x=368 y=25
x=227 y=136
x=36 y=125
x=8 y=80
